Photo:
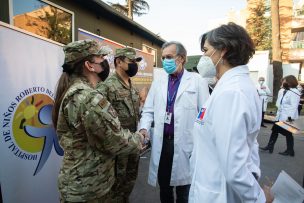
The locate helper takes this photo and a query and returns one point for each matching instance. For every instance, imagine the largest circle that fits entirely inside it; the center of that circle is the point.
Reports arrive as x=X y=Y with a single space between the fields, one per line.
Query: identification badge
x=168 y=116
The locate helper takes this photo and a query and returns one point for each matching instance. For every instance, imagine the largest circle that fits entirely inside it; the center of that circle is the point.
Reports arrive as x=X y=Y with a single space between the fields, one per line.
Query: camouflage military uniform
x=90 y=133
x=125 y=100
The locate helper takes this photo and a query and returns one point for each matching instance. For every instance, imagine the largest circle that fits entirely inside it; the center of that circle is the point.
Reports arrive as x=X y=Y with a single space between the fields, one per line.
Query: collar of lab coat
x=238 y=70
x=182 y=87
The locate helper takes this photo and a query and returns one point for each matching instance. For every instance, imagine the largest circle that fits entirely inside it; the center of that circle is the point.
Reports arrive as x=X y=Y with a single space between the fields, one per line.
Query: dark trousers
x=164 y=175
x=299 y=109
x=0 y=195
x=262 y=121
x=274 y=136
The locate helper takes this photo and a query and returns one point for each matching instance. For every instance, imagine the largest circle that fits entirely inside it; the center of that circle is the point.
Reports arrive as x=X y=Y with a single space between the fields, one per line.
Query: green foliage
x=300 y=12
x=59 y=28
x=139 y=7
x=259 y=26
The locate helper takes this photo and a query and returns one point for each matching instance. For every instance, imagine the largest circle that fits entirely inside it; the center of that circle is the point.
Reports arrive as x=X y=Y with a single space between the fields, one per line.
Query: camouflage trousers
x=104 y=199
x=126 y=168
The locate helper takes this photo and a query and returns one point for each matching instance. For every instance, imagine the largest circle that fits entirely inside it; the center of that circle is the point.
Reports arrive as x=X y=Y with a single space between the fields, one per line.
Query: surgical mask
x=261 y=82
x=106 y=70
x=169 y=65
x=132 y=69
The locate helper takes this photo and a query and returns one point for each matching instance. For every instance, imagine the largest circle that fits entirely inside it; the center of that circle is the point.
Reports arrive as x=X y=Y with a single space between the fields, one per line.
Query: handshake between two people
x=144 y=139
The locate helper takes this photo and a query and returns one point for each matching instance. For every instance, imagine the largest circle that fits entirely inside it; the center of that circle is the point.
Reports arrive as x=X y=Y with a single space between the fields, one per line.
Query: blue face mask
x=169 y=65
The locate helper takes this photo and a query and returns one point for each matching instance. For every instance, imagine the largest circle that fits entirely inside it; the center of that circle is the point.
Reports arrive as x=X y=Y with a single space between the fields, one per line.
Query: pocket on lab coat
x=202 y=194
x=187 y=141
x=189 y=99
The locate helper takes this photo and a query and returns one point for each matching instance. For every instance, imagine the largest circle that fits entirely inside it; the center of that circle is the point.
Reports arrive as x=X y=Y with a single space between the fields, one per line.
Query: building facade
x=60 y=20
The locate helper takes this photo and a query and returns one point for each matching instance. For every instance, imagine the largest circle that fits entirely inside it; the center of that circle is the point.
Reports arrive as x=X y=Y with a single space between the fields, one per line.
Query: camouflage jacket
x=125 y=100
x=90 y=133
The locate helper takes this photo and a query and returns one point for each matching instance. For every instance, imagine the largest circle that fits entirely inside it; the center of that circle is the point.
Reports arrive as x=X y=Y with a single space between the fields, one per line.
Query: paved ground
x=271 y=166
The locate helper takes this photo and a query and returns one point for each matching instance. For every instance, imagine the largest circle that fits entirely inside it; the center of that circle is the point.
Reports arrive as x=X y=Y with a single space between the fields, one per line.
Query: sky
x=179 y=20
x=184 y=20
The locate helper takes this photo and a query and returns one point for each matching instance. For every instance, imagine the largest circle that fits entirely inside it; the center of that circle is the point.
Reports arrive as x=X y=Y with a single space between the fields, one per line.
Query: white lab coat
x=191 y=94
x=264 y=93
x=289 y=105
x=225 y=147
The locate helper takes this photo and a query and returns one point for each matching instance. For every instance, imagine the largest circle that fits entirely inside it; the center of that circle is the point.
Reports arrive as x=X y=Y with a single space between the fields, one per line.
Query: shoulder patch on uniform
x=103 y=103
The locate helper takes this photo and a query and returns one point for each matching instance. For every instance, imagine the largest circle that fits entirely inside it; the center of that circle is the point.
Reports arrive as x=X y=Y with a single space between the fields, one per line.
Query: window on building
x=152 y=51
x=297 y=40
x=43 y=18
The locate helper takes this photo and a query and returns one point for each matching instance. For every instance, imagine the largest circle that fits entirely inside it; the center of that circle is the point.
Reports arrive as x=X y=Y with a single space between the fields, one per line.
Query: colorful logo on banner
x=142 y=64
x=27 y=126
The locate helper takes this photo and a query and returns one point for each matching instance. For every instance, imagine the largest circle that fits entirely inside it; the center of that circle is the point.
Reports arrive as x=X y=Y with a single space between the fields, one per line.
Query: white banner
x=30 y=155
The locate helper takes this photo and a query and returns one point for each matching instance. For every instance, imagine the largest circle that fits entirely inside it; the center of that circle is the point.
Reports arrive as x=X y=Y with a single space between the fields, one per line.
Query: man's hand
x=146 y=135
x=142 y=140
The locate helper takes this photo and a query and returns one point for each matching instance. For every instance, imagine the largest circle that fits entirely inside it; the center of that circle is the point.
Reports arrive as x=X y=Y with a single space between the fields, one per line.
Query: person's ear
x=180 y=59
x=184 y=59
x=224 y=51
x=119 y=61
x=88 y=66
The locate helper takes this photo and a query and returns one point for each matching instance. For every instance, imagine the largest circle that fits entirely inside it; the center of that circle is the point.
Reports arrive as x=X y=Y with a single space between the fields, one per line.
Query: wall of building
x=95 y=23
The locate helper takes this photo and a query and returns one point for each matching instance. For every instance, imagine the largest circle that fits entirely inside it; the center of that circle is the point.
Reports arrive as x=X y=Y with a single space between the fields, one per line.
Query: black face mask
x=106 y=70
x=132 y=69
x=285 y=86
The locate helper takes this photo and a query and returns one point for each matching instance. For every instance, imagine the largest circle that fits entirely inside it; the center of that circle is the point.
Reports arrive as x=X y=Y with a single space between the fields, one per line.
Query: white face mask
x=261 y=82
x=211 y=81
x=206 y=68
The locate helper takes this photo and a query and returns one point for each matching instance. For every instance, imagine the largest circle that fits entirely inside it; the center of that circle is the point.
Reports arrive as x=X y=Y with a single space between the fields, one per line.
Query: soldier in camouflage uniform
x=125 y=99
x=88 y=127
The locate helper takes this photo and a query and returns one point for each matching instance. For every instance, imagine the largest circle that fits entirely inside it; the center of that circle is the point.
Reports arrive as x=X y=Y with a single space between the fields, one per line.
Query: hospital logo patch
x=200 y=116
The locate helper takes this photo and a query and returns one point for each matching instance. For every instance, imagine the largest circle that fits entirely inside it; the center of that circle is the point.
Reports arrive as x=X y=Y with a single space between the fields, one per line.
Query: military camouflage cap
x=83 y=48
x=127 y=52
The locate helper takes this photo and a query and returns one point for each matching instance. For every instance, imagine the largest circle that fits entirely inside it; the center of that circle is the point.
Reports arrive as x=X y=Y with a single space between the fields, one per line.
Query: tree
x=59 y=24
x=281 y=17
x=281 y=14
x=137 y=7
x=258 y=24
x=276 y=48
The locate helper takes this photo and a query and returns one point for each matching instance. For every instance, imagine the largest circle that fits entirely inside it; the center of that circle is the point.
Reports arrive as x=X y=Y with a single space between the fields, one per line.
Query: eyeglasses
x=168 y=57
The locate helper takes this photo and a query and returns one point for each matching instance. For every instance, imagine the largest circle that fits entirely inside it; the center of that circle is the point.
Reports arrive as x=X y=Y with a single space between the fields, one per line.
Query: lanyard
x=171 y=100
x=283 y=96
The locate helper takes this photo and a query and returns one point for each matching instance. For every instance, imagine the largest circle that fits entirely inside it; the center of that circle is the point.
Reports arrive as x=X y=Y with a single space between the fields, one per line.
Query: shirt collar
x=122 y=82
x=176 y=77
x=242 y=69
